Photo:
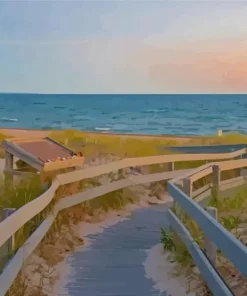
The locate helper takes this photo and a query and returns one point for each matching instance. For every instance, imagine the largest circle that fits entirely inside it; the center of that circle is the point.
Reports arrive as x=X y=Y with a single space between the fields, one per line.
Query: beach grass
x=93 y=146
x=17 y=196
x=20 y=194
x=27 y=190
x=2 y=137
x=231 y=214
x=123 y=146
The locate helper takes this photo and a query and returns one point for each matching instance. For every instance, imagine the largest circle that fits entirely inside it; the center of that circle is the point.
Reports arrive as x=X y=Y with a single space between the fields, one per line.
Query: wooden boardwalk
x=226 y=242
x=113 y=264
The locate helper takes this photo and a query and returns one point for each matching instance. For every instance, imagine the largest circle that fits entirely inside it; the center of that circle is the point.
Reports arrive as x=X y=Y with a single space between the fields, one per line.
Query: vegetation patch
x=94 y=146
x=232 y=215
x=60 y=239
x=126 y=146
x=2 y=137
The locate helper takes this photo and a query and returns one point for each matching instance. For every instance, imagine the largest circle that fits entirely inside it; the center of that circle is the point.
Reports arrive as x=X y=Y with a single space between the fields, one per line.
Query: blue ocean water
x=141 y=114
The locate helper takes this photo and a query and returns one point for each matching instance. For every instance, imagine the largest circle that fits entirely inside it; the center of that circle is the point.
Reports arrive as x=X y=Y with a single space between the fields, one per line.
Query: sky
x=123 y=46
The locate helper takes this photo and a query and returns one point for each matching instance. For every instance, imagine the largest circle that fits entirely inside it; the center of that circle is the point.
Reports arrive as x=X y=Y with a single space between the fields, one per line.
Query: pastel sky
x=123 y=46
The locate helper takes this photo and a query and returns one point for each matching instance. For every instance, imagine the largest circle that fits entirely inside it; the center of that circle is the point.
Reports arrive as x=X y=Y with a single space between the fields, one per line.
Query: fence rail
x=210 y=275
x=14 y=222
x=232 y=248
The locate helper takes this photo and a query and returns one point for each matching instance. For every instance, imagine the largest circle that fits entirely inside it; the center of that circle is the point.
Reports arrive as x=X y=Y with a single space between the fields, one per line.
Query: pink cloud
x=218 y=67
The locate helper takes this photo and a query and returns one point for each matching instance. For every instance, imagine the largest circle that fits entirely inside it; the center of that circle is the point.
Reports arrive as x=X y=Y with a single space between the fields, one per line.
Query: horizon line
x=120 y=94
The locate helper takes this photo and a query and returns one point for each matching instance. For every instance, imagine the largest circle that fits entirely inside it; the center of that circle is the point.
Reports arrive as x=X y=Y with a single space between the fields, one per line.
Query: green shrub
x=167 y=241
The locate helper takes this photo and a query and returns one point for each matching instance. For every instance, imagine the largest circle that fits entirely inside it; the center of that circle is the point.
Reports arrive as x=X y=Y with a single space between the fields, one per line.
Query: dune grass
x=2 y=137
x=231 y=214
x=27 y=190
x=231 y=209
x=128 y=146
x=17 y=196
x=20 y=194
x=93 y=146
x=123 y=146
x=96 y=144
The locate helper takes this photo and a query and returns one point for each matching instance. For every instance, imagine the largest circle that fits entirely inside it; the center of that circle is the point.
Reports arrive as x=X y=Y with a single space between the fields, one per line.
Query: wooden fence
x=232 y=248
x=223 y=239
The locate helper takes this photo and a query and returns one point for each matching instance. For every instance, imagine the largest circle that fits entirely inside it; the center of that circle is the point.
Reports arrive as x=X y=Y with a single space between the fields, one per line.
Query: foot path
x=113 y=264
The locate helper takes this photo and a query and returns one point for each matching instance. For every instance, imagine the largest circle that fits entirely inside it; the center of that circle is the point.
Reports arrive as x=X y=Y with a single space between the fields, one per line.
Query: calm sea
x=141 y=114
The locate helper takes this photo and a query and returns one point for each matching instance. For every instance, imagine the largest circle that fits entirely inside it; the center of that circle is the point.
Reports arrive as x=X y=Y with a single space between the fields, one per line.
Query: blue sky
x=123 y=46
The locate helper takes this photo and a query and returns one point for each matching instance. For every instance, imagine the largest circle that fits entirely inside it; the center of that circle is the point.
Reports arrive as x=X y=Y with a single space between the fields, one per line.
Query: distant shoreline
x=20 y=132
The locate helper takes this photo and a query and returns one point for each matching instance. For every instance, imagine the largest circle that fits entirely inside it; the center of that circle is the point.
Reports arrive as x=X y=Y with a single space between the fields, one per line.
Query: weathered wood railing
x=183 y=196
x=14 y=222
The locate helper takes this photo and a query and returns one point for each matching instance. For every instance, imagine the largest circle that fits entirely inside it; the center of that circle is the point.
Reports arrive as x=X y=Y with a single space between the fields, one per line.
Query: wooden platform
x=43 y=154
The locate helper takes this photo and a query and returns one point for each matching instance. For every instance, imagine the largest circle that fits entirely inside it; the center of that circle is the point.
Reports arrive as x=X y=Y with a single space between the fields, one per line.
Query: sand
x=159 y=269
x=27 y=133
x=22 y=133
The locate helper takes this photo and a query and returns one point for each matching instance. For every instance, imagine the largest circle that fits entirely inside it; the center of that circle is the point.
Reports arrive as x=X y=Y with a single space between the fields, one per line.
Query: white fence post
x=9 y=246
x=209 y=247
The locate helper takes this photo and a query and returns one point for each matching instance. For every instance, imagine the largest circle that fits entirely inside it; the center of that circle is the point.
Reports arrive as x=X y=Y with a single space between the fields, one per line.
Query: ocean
x=130 y=114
